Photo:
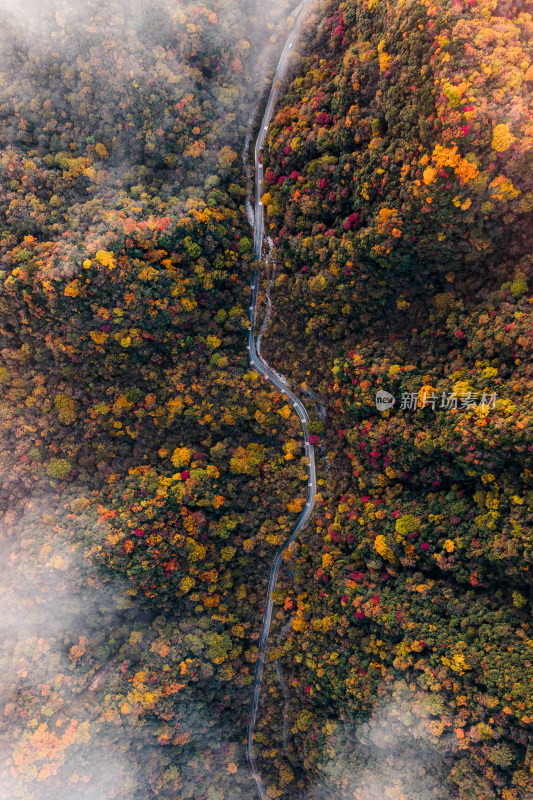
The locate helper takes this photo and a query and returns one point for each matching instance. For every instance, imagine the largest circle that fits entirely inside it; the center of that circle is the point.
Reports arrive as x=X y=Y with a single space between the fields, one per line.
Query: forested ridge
x=399 y=194
x=149 y=475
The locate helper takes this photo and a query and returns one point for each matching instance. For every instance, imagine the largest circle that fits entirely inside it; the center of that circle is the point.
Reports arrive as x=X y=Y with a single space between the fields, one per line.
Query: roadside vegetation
x=148 y=475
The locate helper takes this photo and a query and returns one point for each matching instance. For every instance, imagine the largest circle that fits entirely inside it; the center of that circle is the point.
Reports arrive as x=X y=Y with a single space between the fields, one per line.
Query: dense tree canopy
x=398 y=190
x=148 y=475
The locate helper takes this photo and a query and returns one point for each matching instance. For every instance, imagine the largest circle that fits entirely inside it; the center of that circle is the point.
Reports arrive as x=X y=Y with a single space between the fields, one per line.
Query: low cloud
x=61 y=630
x=389 y=756
x=49 y=602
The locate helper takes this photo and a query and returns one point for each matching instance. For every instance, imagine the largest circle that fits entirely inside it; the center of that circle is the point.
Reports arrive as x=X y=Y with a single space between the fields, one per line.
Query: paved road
x=267 y=116
x=262 y=367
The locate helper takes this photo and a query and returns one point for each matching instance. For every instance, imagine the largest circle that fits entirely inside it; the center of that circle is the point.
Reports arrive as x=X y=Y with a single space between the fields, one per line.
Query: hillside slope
x=398 y=191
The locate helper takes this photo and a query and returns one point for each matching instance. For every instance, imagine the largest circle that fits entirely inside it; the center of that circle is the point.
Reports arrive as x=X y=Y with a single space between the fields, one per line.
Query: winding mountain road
x=262 y=367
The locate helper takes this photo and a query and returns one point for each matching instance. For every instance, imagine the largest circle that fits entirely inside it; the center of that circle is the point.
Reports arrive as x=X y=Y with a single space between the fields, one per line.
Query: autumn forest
x=149 y=474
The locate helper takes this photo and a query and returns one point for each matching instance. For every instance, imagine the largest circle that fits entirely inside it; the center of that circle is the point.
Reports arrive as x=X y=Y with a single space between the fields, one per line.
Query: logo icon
x=384 y=400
